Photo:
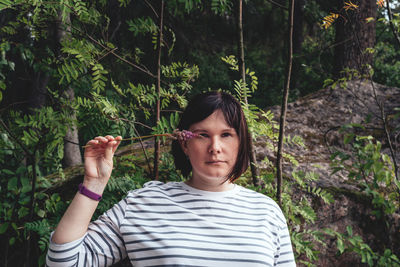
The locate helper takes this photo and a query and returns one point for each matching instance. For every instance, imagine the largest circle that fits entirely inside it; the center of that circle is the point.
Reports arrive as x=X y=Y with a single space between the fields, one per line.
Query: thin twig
x=115 y=30
x=284 y=106
x=278 y=5
x=13 y=104
x=25 y=149
x=151 y=7
x=145 y=153
x=140 y=137
x=142 y=124
x=111 y=51
x=158 y=89
x=171 y=110
x=389 y=10
x=31 y=206
x=255 y=173
x=106 y=54
x=121 y=58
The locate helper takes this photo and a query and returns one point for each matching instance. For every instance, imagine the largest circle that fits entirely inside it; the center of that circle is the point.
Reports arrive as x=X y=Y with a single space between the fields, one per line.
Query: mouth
x=215 y=162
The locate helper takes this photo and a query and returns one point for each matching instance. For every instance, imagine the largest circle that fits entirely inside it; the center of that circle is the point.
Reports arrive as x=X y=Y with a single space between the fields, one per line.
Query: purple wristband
x=84 y=191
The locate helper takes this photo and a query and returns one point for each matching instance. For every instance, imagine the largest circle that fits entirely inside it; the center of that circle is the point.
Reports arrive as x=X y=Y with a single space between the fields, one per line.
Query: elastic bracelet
x=86 y=192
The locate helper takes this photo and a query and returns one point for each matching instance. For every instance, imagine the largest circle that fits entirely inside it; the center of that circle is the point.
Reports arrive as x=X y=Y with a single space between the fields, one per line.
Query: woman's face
x=214 y=152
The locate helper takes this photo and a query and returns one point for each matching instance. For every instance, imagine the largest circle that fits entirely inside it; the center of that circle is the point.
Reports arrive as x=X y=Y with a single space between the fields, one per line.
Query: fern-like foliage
x=166 y=125
x=350 y=242
x=303 y=244
x=43 y=229
x=221 y=6
x=98 y=77
x=142 y=25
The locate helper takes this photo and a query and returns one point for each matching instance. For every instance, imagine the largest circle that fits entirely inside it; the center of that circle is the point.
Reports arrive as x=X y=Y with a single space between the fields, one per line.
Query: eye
x=226 y=134
x=203 y=135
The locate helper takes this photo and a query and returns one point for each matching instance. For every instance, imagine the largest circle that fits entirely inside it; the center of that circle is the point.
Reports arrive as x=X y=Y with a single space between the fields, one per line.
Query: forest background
x=71 y=70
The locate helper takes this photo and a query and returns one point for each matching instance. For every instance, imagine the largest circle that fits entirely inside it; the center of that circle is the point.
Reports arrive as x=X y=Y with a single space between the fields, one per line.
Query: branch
x=115 y=30
x=396 y=36
x=31 y=205
x=144 y=152
x=151 y=7
x=255 y=173
x=13 y=104
x=158 y=88
x=24 y=148
x=278 y=5
x=284 y=107
x=111 y=51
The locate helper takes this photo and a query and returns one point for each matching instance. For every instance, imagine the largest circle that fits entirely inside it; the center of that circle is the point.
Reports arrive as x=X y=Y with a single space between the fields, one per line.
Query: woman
x=205 y=221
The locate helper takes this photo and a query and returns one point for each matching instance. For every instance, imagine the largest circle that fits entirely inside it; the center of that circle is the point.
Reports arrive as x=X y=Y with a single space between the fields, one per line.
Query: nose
x=215 y=146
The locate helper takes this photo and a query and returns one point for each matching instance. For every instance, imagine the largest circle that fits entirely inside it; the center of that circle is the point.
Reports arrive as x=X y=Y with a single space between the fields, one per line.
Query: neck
x=215 y=186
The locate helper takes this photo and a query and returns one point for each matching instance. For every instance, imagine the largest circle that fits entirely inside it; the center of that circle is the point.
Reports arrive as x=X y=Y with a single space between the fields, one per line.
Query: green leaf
x=14 y=226
x=12 y=184
x=22 y=212
x=8 y=172
x=41 y=213
x=340 y=245
x=3 y=227
x=348 y=138
x=26 y=186
x=349 y=230
x=60 y=151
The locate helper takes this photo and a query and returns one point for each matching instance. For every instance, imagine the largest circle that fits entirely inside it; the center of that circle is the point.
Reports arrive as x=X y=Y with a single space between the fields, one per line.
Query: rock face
x=317 y=119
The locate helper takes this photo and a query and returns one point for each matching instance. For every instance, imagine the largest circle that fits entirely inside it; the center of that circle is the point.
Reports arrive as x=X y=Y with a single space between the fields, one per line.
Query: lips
x=215 y=161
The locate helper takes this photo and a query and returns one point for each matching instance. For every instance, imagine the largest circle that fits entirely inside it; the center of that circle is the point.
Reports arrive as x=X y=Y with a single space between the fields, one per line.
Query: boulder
x=317 y=118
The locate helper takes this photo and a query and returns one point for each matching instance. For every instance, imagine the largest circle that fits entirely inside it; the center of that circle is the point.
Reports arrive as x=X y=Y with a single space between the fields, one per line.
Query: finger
x=91 y=144
x=109 y=137
x=118 y=141
x=108 y=153
x=101 y=139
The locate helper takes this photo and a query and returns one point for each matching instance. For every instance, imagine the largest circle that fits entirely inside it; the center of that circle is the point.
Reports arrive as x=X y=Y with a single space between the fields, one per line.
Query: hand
x=99 y=161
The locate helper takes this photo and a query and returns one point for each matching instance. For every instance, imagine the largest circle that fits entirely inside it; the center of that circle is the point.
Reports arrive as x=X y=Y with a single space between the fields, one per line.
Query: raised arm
x=98 y=167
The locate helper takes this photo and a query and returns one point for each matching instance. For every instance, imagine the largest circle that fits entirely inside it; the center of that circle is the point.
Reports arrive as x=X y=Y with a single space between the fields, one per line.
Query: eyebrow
x=203 y=130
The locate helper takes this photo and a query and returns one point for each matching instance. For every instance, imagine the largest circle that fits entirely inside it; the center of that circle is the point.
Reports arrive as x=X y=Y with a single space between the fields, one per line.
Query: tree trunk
x=242 y=70
x=37 y=98
x=72 y=153
x=353 y=36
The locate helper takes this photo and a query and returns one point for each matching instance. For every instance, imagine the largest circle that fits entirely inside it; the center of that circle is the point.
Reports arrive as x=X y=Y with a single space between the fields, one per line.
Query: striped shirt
x=174 y=224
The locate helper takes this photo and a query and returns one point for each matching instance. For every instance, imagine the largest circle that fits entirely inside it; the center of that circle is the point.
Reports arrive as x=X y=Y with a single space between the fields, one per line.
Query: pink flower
x=183 y=135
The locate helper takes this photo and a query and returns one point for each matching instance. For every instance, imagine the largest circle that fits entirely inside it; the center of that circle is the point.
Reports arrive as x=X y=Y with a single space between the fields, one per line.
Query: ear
x=184 y=146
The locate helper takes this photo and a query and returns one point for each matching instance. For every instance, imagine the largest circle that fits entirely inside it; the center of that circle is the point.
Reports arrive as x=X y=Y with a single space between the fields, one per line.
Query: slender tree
x=242 y=70
x=158 y=87
x=298 y=18
x=285 y=97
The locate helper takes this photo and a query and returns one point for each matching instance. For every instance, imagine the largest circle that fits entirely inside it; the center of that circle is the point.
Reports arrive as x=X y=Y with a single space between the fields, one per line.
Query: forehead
x=215 y=121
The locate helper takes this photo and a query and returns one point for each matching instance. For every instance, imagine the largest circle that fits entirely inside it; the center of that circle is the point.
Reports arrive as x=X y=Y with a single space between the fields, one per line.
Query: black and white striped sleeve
x=102 y=245
x=284 y=256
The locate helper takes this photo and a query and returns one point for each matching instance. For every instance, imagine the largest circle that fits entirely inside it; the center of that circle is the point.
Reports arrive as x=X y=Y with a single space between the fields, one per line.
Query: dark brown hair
x=198 y=109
